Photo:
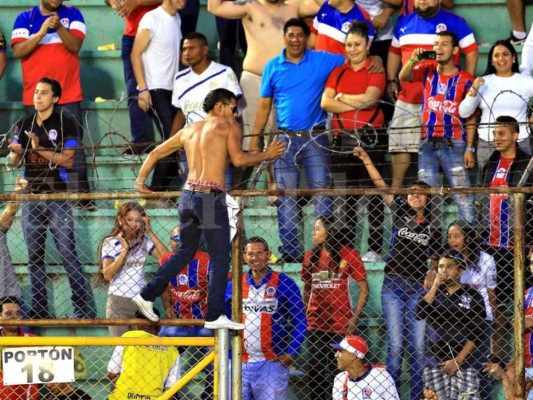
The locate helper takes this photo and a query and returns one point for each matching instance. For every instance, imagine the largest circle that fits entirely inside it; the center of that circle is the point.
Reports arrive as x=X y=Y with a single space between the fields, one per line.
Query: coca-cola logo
x=421 y=238
x=188 y=296
x=445 y=107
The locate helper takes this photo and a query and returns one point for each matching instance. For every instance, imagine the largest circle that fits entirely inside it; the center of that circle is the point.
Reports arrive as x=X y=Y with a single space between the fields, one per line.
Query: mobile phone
x=428 y=55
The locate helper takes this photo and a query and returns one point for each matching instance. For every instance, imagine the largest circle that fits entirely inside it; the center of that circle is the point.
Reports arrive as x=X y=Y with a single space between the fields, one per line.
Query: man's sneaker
x=146 y=307
x=372 y=256
x=223 y=323
x=515 y=41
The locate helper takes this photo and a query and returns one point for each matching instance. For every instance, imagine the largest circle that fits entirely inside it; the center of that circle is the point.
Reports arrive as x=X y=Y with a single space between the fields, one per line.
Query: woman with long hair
x=414 y=243
x=502 y=90
x=123 y=261
x=328 y=271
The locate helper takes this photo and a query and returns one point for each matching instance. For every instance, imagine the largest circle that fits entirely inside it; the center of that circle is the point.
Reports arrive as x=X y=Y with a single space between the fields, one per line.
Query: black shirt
x=413 y=242
x=55 y=133
x=454 y=319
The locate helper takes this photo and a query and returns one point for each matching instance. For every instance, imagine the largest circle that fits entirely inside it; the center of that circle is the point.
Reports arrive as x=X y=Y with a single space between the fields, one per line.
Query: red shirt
x=528 y=337
x=189 y=288
x=441 y=98
x=330 y=303
x=356 y=82
x=132 y=21
x=17 y=392
x=499 y=232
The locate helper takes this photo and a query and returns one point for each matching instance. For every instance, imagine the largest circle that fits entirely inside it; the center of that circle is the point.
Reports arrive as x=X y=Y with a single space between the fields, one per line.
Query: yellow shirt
x=145 y=370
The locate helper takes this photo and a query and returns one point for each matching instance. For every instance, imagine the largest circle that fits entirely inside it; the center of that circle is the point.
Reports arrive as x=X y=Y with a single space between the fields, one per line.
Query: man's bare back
x=205 y=144
x=263 y=25
x=209 y=145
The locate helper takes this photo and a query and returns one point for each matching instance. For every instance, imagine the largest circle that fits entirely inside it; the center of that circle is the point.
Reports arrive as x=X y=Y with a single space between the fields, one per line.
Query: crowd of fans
x=328 y=88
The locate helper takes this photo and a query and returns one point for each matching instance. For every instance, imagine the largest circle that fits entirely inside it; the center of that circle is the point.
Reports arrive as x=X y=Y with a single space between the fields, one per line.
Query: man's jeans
x=140 y=124
x=37 y=217
x=399 y=297
x=448 y=154
x=163 y=113
x=200 y=213
x=311 y=152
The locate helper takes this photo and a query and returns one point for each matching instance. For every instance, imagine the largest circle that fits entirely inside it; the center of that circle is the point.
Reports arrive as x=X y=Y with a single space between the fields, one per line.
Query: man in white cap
x=360 y=380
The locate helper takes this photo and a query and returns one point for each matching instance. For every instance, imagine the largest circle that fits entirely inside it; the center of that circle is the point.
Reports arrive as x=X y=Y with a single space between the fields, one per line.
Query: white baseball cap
x=353 y=344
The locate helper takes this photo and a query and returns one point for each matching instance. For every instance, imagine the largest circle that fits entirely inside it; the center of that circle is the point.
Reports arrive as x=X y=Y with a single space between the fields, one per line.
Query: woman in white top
x=480 y=275
x=501 y=91
x=123 y=261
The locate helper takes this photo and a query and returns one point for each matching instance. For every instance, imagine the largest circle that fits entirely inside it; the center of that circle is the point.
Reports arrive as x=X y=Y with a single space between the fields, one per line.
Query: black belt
x=437 y=140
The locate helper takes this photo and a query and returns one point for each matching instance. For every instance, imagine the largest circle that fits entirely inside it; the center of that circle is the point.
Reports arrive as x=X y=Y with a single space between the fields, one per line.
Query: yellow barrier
x=188 y=376
x=104 y=341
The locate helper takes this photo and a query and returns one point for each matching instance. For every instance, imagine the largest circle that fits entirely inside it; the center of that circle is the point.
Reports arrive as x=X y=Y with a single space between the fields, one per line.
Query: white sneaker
x=223 y=323
x=372 y=256
x=146 y=307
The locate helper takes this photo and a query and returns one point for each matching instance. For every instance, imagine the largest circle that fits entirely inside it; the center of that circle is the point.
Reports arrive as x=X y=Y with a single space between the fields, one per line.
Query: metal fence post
x=236 y=306
x=519 y=289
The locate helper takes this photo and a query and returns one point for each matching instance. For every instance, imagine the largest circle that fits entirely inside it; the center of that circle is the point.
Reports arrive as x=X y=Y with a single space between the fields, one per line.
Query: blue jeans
x=264 y=380
x=140 y=124
x=37 y=217
x=310 y=152
x=448 y=154
x=194 y=331
x=399 y=297
x=200 y=213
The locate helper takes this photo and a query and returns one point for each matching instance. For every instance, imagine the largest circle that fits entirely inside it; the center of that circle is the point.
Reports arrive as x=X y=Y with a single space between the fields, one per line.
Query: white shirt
x=190 y=89
x=494 y=103
x=129 y=279
x=374 y=8
x=482 y=279
x=161 y=56
x=375 y=384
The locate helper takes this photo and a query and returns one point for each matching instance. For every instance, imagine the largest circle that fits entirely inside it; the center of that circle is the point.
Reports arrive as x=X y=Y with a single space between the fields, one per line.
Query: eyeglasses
x=176 y=238
x=234 y=109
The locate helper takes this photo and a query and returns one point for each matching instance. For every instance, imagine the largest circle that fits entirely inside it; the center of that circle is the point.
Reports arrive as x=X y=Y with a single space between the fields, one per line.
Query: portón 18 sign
x=26 y=365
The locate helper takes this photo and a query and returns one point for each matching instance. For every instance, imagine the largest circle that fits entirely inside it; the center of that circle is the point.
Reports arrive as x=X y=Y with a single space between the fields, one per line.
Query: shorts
x=465 y=382
x=405 y=128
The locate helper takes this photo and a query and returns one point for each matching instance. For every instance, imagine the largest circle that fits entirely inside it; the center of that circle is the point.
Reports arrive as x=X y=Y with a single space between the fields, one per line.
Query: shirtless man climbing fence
x=209 y=145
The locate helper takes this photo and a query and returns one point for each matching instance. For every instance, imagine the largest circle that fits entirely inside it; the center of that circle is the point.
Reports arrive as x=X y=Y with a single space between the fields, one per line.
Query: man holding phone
x=445 y=138
x=412 y=31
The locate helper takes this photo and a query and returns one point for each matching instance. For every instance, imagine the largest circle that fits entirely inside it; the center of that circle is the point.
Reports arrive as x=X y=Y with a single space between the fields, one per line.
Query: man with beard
x=418 y=30
x=454 y=313
x=47 y=38
x=447 y=139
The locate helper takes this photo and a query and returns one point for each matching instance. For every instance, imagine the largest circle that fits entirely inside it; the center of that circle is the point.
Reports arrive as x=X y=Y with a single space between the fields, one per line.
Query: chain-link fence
x=391 y=282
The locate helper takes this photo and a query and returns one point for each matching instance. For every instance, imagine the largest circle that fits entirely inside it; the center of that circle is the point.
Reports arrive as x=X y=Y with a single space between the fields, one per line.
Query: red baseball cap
x=353 y=344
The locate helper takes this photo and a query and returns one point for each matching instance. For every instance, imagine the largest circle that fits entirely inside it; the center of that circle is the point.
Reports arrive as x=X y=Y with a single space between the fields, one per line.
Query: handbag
x=366 y=136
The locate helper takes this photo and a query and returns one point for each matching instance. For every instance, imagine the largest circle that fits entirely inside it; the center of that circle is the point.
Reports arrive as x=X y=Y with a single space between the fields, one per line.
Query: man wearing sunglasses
x=209 y=144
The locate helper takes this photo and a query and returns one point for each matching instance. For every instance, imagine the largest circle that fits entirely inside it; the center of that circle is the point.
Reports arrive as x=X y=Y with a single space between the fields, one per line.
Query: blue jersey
x=273 y=315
